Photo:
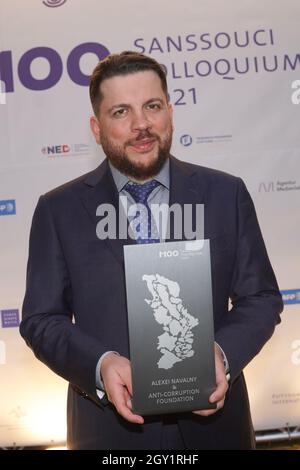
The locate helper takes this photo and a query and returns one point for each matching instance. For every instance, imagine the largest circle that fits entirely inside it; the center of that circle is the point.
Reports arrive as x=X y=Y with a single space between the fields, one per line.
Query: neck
x=139 y=181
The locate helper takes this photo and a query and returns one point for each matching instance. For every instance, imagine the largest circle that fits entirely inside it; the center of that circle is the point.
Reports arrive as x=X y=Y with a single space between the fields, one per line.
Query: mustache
x=145 y=134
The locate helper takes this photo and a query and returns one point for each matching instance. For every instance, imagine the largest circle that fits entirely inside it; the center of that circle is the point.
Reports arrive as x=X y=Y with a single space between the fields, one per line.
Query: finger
x=122 y=402
x=128 y=400
x=212 y=411
x=127 y=414
x=220 y=392
x=126 y=378
x=125 y=411
x=204 y=412
x=128 y=382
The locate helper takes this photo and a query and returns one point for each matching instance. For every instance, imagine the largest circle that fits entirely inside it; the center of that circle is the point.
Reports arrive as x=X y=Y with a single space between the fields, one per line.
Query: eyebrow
x=126 y=105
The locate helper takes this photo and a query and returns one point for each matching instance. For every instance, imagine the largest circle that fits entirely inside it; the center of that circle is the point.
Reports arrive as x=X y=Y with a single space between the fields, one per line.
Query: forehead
x=139 y=86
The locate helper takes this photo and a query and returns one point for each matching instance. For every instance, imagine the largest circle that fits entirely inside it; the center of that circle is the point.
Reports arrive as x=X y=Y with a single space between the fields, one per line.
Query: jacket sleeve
x=256 y=300
x=47 y=318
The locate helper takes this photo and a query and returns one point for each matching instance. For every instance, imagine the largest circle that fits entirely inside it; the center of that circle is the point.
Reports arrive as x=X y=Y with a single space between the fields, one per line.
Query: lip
x=144 y=145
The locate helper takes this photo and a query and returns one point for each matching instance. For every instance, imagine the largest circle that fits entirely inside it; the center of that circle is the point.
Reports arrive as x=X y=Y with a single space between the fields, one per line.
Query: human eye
x=119 y=112
x=154 y=106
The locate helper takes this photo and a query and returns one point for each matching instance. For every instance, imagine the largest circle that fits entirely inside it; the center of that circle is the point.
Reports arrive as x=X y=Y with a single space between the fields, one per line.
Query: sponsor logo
x=66 y=150
x=291 y=296
x=10 y=318
x=296 y=94
x=54 y=3
x=278 y=186
x=168 y=254
x=8 y=207
x=186 y=140
x=56 y=67
x=266 y=186
x=214 y=139
x=285 y=398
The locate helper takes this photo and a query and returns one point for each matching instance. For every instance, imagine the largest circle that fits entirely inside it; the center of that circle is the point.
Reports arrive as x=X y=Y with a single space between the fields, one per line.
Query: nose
x=140 y=121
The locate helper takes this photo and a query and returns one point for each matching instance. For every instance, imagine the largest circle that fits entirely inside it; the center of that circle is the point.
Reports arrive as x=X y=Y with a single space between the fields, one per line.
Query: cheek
x=164 y=124
x=117 y=133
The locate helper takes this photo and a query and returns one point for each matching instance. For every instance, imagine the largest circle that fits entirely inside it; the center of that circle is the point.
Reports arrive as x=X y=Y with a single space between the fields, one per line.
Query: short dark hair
x=125 y=63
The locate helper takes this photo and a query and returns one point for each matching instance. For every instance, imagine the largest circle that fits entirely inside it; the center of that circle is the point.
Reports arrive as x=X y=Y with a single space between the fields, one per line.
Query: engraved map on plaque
x=176 y=341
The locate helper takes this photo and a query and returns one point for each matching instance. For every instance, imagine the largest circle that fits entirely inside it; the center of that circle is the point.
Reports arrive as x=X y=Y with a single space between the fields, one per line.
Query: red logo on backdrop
x=56 y=149
x=66 y=150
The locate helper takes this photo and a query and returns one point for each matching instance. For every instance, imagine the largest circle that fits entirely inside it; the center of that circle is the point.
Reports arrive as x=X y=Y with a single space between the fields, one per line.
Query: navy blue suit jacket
x=73 y=274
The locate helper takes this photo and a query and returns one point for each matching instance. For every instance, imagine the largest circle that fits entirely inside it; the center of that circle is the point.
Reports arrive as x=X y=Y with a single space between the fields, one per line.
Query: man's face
x=134 y=124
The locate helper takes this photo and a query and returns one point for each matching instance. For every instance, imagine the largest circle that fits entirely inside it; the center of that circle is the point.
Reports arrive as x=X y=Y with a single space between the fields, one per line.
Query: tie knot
x=140 y=192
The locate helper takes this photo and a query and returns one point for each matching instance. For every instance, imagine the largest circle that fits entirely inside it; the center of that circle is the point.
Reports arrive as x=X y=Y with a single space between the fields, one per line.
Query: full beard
x=137 y=170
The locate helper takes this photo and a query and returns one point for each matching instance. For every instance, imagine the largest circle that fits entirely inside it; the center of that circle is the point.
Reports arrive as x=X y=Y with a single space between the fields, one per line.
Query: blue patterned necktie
x=140 y=193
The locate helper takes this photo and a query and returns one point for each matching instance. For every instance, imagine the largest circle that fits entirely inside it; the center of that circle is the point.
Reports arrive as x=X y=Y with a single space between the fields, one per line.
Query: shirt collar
x=163 y=177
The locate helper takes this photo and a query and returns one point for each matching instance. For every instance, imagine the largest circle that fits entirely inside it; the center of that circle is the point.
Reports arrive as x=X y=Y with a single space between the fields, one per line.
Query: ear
x=95 y=128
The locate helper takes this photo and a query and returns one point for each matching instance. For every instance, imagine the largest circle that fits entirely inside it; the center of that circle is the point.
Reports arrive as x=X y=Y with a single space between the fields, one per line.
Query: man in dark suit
x=74 y=312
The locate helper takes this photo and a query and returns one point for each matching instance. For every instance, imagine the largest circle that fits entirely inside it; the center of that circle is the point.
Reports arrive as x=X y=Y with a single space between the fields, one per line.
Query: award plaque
x=170 y=318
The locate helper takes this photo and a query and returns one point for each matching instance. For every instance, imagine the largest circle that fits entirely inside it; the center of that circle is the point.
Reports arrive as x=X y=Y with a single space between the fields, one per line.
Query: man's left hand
x=218 y=396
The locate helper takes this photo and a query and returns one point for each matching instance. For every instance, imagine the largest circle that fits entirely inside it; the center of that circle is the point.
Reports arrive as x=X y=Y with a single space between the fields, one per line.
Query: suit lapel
x=101 y=189
x=185 y=189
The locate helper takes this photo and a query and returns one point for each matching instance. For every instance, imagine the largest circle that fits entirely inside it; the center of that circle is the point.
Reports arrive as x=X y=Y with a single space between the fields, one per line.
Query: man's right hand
x=116 y=376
